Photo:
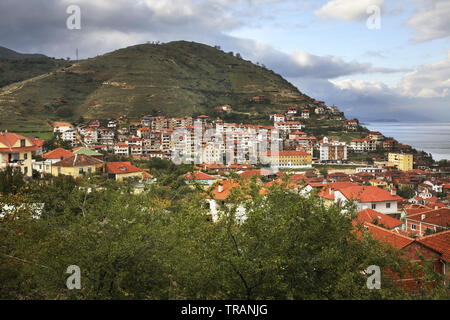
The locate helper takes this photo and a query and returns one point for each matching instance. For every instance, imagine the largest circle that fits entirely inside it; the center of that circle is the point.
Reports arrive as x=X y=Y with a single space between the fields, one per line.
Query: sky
x=374 y=59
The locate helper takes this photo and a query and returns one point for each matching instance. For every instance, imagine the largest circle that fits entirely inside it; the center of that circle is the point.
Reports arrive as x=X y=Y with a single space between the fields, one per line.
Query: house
x=288 y=126
x=200 y=178
x=305 y=114
x=69 y=135
x=428 y=221
x=351 y=125
x=88 y=152
x=219 y=197
x=60 y=127
x=279 y=118
x=123 y=170
x=440 y=243
x=38 y=143
x=51 y=158
x=76 y=166
x=369 y=197
x=121 y=149
x=292 y=111
x=379 y=219
x=16 y=152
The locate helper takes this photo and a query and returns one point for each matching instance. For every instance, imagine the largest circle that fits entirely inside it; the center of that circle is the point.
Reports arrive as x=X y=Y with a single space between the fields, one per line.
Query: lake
x=433 y=138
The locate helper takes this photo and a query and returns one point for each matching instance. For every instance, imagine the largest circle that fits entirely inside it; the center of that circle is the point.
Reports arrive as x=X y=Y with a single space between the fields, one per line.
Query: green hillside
x=177 y=78
x=15 y=67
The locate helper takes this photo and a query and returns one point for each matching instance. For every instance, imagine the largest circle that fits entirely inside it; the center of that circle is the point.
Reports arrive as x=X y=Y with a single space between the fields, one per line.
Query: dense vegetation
x=160 y=245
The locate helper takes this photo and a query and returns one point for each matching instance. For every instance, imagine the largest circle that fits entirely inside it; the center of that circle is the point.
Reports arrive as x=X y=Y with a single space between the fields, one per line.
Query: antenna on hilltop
x=76 y=53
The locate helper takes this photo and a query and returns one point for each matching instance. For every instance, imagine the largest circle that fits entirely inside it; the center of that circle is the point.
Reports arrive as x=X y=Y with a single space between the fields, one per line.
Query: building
x=121 y=149
x=288 y=159
x=200 y=178
x=51 y=158
x=76 y=166
x=16 y=152
x=402 y=161
x=123 y=170
x=305 y=114
x=432 y=220
x=351 y=125
x=60 y=127
x=369 y=197
x=334 y=152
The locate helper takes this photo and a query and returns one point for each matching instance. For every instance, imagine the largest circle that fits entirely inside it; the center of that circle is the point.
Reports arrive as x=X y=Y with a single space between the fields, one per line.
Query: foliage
x=154 y=246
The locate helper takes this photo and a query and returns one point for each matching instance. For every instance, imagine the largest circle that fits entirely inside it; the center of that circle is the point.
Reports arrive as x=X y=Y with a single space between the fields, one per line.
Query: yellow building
x=16 y=151
x=403 y=161
x=288 y=159
x=76 y=166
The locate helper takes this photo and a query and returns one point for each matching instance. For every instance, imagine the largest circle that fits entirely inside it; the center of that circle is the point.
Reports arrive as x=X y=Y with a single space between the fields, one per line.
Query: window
x=80 y=170
x=89 y=170
x=413 y=227
x=374 y=206
x=388 y=205
x=22 y=143
x=25 y=170
x=25 y=156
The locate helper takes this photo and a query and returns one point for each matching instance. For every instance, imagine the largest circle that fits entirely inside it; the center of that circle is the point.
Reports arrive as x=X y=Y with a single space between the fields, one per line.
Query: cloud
x=431 y=22
x=347 y=10
x=420 y=95
x=428 y=81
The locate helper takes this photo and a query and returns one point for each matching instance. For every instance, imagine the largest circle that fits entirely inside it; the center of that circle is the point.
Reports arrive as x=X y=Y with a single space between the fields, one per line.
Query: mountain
x=175 y=79
x=6 y=53
x=15 y=67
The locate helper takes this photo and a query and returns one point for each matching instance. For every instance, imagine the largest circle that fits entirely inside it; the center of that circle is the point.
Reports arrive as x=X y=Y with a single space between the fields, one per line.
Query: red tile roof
x=58 y=153
x=121 y=168
x=439 y=242
x=368 y=194
x=369 y=215
x=439 y=217
x=393 y=238
x=198 y=175
x=9 y=139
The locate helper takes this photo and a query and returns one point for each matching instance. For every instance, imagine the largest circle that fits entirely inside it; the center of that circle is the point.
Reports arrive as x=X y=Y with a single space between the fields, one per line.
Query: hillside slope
x=177 y=78
x=15 y=67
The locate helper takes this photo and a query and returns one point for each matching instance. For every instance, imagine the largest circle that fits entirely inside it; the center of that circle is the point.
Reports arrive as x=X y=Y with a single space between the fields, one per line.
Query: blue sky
x=325 y=48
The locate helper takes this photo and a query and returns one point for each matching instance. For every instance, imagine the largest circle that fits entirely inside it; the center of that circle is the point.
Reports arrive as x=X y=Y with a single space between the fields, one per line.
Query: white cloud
x=431 y=22
x=347 y=10
x=428 y=81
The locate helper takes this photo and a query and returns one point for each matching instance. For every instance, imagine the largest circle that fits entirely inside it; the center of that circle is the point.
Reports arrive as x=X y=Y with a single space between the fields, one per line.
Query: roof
x=368 y=194
x=9 y=139
x=62 y=124
x=198 y=175
x=369 y=215
x=439 y=242
x=58 y=153
x=393 y=238
x=257 y=172
x=438 y=217
x=286 y=153
x=88 y=152
x=227 y=186
x=78 y=160
x=121 y=168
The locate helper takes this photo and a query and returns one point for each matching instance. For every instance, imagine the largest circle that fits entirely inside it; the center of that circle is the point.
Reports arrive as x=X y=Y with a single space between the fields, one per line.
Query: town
x=401 y=199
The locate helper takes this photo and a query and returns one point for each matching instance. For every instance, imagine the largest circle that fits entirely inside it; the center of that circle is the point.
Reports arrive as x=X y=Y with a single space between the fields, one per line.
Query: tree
x=406 y=192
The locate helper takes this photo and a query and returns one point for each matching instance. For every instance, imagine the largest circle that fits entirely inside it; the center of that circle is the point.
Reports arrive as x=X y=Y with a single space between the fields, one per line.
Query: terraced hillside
x=177 y=78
